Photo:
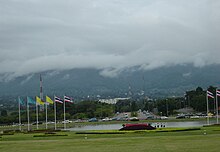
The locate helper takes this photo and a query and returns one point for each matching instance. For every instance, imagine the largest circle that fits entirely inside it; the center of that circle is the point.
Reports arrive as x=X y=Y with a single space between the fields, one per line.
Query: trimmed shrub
x=49 y=135
x=100 y=132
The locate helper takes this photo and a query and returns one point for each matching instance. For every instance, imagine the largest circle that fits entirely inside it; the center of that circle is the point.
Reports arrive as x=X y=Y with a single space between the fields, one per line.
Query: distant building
x=112 y=101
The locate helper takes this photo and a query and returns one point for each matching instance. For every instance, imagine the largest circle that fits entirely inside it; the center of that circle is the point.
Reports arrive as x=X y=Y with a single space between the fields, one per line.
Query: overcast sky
x=110 y=35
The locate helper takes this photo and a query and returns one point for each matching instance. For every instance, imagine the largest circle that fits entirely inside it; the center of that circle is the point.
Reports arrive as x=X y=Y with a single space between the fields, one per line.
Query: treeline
x=160 y=106
x=195 y=99
x=81 y=110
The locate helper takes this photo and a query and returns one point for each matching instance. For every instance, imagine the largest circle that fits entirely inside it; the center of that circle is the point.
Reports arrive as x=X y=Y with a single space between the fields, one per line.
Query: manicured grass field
x=205 y=140
x=71 y=125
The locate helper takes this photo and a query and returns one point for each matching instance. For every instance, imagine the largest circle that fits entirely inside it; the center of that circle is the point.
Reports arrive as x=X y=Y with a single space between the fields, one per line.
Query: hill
x=165 y=81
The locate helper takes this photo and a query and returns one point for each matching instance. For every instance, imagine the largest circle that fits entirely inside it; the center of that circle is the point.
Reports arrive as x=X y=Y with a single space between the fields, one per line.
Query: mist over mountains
x=89 y=48
x=81 y=83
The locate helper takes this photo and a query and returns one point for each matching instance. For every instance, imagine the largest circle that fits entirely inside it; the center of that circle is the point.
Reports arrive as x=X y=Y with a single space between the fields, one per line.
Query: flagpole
x=19 y=111
x=28 y=115
x=37 y=114
x=55 y=114
x=41 y=91
x=217 y=105
x=64 y=113
x=46 y=113
x=207 y=103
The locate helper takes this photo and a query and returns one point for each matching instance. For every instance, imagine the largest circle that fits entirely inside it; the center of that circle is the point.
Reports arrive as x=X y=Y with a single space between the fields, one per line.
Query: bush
x=49 y=135
x=100 y=132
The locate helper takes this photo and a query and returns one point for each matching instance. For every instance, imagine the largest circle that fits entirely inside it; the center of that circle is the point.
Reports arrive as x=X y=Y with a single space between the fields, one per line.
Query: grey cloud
x=66 y=77
x=38 y=35
x=187 y=74
x=27 y=79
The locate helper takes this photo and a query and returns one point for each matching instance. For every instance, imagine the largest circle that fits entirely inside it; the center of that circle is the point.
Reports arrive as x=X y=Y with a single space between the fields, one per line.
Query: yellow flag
x=48 y=100
x=39 y=101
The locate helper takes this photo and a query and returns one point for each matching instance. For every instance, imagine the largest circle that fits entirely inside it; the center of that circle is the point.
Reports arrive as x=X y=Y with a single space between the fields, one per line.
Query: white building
x=112 y=101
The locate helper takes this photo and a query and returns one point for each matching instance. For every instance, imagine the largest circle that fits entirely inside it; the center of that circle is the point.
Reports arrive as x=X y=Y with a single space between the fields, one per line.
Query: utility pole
x=167 y=107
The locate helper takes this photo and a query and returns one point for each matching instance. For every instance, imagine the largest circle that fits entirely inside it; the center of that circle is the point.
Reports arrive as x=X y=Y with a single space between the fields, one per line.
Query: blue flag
x=31 y=101
x=21 y=101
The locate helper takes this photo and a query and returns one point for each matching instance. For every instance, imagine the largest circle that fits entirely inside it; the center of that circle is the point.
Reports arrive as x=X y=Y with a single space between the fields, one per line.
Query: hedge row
x=49 y=135
x=100 y=132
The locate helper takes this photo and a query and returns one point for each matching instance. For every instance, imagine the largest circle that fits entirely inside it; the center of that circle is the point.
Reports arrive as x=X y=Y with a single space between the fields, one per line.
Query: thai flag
x=209 y=94
x=218 y=93
x=57 y=99
x=68 y=99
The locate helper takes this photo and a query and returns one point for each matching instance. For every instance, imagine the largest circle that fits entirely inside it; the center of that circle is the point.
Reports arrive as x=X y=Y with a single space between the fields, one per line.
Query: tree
x=4 y=113
x=199 y=102
x=197 y=98
x=134 y=106
x=123 y=106
x=80 y=116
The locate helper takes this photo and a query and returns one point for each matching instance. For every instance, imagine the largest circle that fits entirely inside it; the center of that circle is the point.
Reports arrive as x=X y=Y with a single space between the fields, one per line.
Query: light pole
x=167 y=107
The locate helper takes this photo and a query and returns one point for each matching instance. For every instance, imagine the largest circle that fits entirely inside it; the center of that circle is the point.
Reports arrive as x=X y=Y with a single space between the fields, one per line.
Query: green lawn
x=187 y=141
x=72 y=125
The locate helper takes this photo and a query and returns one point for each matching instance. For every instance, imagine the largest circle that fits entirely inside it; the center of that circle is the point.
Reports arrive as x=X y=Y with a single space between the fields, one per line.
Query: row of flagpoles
x=211 y=95
x=38 y=102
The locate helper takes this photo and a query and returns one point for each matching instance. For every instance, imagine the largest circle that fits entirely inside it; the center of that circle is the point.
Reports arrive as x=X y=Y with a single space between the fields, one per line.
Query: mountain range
x=84 y=83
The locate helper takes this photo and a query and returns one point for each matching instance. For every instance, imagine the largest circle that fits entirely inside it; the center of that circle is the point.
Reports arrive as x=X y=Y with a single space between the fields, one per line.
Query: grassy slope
x=192 y=141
